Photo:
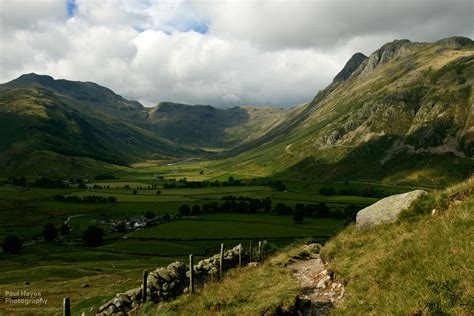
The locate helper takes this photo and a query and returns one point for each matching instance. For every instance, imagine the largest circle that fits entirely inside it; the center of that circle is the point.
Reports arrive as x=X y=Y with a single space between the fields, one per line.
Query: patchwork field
x=90 y=275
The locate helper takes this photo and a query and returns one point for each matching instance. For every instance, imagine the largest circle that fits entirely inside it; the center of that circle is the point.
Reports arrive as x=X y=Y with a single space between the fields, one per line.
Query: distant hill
x=43 y=132
x=403 y=114
x=57 y=124
x=207 y=126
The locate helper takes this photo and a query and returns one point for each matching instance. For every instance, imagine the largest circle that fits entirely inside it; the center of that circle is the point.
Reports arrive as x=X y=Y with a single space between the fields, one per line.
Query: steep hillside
x=41 y=134
x=403 y=114
x=418 y=266
x=206 y=126
x=85 y=96
x=44 y=117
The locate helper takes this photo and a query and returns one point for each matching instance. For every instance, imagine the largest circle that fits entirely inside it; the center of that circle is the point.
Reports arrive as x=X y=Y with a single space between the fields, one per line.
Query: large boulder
x=387 y=209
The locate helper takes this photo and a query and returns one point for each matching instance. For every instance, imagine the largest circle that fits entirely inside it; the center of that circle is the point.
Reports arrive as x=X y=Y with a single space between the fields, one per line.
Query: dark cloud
x=274 y=52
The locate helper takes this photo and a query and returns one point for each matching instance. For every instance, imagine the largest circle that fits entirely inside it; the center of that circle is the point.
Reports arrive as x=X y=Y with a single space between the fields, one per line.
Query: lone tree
x=93 y=236
x=12 y=244
x=184 y=210
x=298 y=216
x=50 y=232
x=267 y=204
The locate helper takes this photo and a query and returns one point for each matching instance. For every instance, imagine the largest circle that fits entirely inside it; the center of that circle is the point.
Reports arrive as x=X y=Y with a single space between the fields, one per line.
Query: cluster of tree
x=184 y=183
x=276 y=184
x=93 y=236
x=248 y=205
x=50 y=232
x=91 y=199
x=12 y=244
x=366 y=192
x=50 y=183
x=17 y=181
x=42 y=182
x=106 y=176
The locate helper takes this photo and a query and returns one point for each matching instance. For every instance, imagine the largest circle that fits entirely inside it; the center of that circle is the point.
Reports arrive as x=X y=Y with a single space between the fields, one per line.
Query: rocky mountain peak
x=384 y=54
x=456 y=42
x=352 y=64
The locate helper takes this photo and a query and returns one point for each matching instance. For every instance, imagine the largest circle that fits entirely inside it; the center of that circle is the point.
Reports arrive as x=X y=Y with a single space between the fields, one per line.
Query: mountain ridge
x=404 y=101
x=412 y=102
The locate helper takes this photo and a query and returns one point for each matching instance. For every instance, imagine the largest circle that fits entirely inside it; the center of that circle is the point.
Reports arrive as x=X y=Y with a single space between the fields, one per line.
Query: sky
x=218 y=52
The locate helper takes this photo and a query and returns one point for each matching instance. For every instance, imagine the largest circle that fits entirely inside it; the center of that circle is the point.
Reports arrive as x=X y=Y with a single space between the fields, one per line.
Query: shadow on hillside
x=365 y=163
x=197 y=125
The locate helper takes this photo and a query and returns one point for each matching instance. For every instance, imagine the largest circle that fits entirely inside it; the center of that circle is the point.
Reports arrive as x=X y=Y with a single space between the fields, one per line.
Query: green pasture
x=60 y=267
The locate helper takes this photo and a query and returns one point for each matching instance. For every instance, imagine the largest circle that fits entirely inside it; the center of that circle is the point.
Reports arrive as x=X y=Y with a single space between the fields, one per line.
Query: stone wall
x=167 y=283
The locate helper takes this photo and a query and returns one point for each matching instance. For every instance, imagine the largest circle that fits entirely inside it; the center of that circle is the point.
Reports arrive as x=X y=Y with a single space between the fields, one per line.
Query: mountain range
x=404 y=113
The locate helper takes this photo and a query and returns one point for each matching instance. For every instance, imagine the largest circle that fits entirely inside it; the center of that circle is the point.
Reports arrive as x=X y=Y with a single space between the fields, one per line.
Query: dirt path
x=320 y=292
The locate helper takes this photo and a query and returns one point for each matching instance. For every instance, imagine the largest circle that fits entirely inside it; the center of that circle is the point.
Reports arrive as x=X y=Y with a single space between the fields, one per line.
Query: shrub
x=298 y=216
x=184 y=210
x=49 y=232
x=12 y=244
x=93 y=236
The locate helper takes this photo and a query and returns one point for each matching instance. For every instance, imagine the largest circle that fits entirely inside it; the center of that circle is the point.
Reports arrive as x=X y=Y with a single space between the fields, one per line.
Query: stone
x=84 y=285
x=164 y=274
x=112 y=309
x=321 y=284
x=341 y=295
x=386 y=210
x=122 y=302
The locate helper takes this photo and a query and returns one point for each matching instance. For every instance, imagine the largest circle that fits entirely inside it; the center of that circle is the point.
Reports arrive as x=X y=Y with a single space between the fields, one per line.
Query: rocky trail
x=320 y=291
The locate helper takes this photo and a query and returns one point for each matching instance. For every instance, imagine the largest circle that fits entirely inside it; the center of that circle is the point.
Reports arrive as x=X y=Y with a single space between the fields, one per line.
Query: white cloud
x=271 y=52
x=277 y=24
x=28 y=14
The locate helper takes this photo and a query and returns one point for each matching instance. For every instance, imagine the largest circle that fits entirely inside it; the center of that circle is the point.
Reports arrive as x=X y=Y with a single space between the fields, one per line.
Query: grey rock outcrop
x=387 y=209
x=383 y=55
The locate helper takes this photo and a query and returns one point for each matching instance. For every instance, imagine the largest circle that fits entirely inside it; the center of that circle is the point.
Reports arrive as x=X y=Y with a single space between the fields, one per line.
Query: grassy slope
x=426 y=90
x=419 y=266
x=266 y=290
x=206 y=126
x=44 y=135
x=422 y=265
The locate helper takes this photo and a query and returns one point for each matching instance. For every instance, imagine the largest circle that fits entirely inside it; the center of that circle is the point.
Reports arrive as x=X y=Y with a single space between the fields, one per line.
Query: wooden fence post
x=221 y=261
x=66 y=307
x=191 y=274
x=250 y=252
x=259 y=251
x=240 y=255
x=145 y=276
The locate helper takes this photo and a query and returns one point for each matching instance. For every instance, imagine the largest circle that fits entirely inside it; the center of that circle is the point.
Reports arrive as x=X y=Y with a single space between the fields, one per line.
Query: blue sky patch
x=71 y=7
x=200 y=28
